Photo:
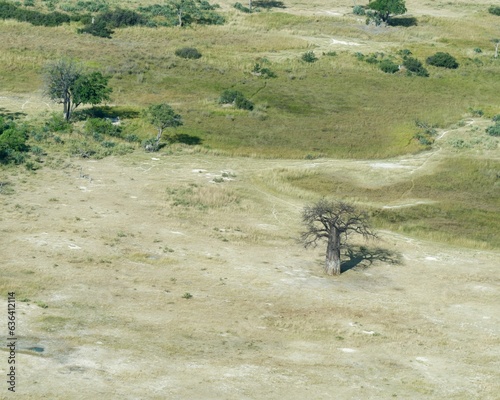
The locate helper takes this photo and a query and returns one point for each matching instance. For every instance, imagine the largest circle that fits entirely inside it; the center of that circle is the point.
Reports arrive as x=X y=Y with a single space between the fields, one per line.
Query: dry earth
x=101 y=260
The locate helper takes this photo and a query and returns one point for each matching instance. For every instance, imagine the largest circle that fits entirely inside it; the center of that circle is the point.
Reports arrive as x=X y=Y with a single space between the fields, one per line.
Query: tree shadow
x=268 y=4
x=402 y=21
x=185 y=139
x=4 y=113
x=105 y=112
x=361 y=256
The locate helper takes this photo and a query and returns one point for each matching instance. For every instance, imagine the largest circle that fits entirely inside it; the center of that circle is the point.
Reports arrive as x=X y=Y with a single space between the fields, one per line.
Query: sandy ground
x=101 y=265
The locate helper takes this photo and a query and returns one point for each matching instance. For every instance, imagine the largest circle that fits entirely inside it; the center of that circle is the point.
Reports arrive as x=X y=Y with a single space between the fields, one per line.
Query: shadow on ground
x=4 y=113
x=269 y=4
x=105 y=112
x=403 y=21
x=363 y=257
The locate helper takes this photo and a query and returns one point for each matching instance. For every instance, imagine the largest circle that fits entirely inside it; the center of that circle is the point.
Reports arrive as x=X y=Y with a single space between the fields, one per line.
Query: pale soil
x=263 y=322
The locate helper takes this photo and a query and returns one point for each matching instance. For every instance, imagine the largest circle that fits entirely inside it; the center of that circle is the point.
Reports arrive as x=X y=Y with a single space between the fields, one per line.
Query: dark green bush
x=120 y=18
x=263 y=72
x=495 y=10
x=97 y=126
x=358 y=10
x=443 y=60
x=496 y=118
x=415 y=67
x=242 y=8
x=11 y=11
x=228 y=96
x=12 y=142
x=389 y=67
x=494 y=130
x=237 y=98
x=243 y=103
x=188 y=52
x=309 y=57
x=98 y=28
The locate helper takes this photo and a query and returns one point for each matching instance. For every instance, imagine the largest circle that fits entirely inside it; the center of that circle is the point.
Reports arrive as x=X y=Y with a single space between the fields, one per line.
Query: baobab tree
x=333 y=222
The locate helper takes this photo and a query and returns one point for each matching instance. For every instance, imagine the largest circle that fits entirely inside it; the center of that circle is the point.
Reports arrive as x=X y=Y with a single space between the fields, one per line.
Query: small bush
x=263 y=72
x=99 y=28
x=188 y=53
x=478 y=50
x=242 y=8
x=389 y=67
x=494 y=130
x=496 y=118
x=330 y=53
x=120 y=18
x=57 y=123
x=309 y=57
x=495 y=10
x=443 y=60
x=476 y=112
x=228 y=96
x=97 y=126
x=358 y=10
x=237 y=98
x=404 y=52
x=415 y=67
x=243 y=103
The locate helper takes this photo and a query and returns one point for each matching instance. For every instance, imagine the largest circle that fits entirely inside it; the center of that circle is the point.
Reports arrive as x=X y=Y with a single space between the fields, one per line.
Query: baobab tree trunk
x=497 y=44
x=250 y=4
x=332 y=262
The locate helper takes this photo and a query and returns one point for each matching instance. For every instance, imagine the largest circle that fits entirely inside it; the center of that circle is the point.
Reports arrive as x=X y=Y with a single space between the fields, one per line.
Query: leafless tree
x=333 y=221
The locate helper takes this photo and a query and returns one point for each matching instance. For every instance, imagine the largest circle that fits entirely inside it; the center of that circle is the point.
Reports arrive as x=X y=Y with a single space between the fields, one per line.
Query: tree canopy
x=333 y=221
x=161 y=116
x=385 y=8
x=66 y=83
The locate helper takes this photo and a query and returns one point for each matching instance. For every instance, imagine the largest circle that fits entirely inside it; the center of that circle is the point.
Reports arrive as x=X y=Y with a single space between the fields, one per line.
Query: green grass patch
x=466 y=193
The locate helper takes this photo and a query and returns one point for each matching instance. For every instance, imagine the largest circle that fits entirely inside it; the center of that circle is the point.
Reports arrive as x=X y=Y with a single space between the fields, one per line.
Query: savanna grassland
x=177 y=274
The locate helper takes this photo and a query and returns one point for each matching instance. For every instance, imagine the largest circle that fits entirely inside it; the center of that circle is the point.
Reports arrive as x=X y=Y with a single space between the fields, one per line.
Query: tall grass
x=464 y=195
x=338 y=106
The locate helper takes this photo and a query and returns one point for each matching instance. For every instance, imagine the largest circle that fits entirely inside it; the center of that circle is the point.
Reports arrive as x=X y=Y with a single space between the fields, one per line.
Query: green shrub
x=415 y=67
x=495 y=10
x=476 y=112
x=243 y=103
x=478 y=50
x=242 y=8
x=237 y=98
x=228 y=96
x=496 y=118
x=358 y=10
x=443 y=60
x=12 y=142
x=98 y=28
x=309 y=57
x=120 y=18
x=389 y=67
x=57 y=123
x=404 y=53
x=263 y=72
x=494 y=130
x=188 y=53
x=11 y=11
x=97 y=126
